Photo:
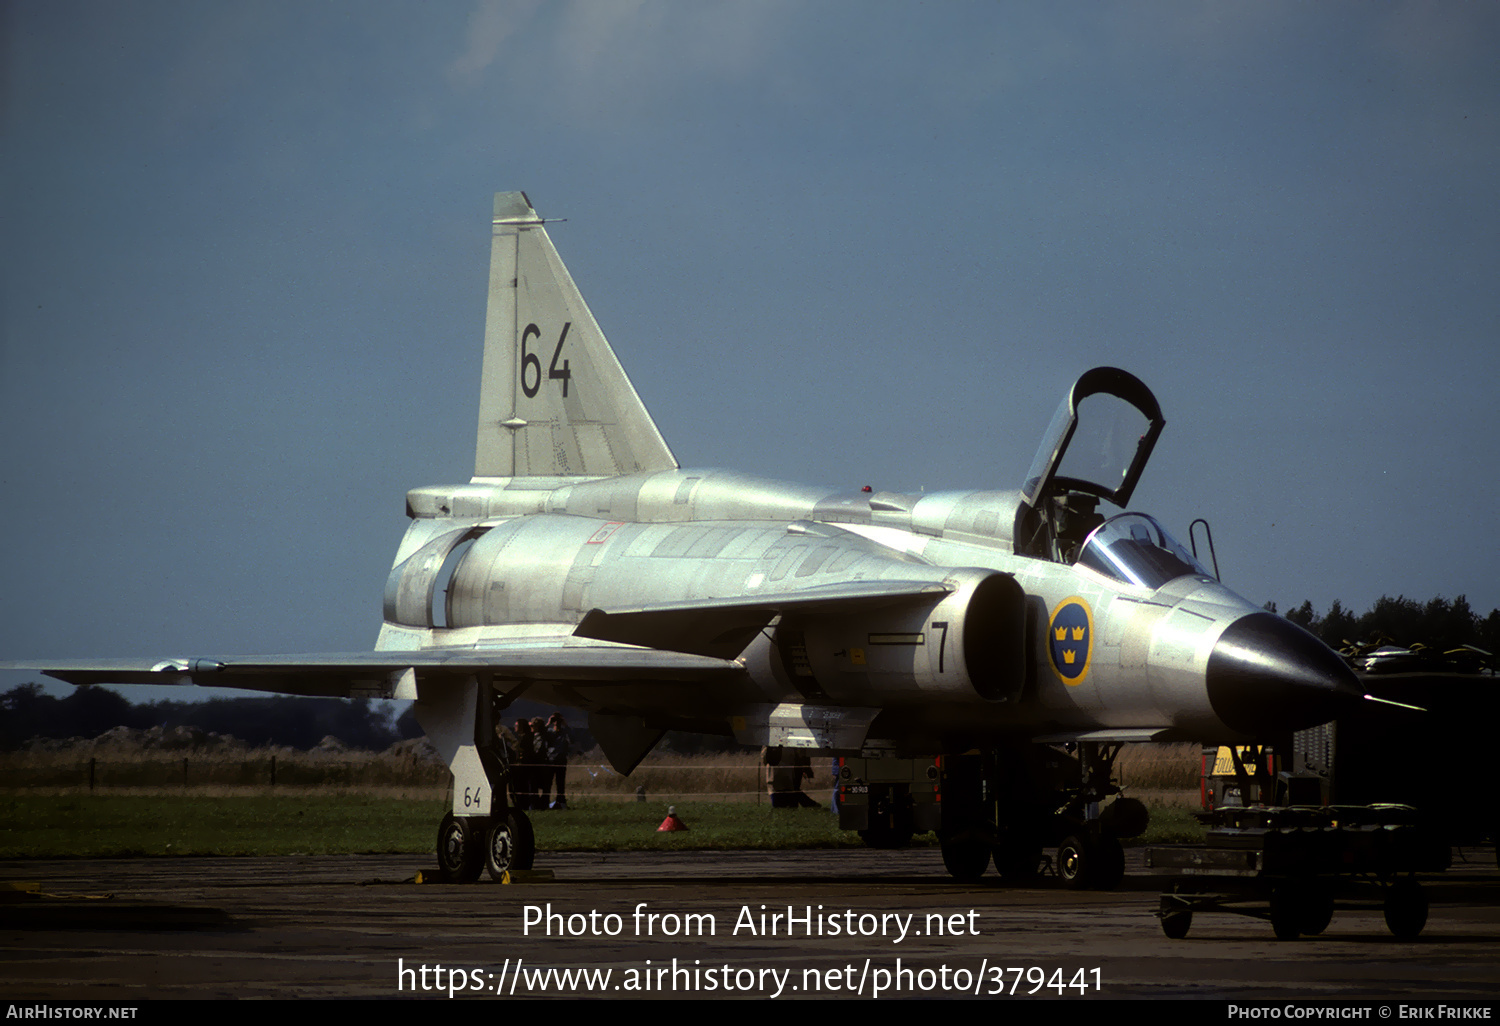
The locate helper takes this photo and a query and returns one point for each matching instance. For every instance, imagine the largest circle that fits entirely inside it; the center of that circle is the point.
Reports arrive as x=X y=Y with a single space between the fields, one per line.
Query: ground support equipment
x=1294 y=865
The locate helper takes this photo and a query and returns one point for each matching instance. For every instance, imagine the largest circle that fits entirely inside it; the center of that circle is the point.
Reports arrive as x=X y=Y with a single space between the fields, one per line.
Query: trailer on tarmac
x=1295 y=865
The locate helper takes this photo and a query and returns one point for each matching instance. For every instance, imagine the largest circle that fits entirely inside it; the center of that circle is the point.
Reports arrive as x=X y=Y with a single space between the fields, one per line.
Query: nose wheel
x=1091 y=856
x=1085 y=863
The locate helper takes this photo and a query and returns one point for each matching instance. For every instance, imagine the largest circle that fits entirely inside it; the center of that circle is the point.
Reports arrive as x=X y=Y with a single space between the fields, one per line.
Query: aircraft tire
x=1075 y=863
x=1109 y=863
x=890 y=824
x=1126 y=817
x=966 y=858
x=1405 y=909
x=1017 y=857
x=509 y=844
x=460 y=848
x=526 y=841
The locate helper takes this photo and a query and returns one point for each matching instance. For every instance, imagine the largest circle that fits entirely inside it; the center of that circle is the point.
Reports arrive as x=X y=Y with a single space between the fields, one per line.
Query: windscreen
x=1134 y=548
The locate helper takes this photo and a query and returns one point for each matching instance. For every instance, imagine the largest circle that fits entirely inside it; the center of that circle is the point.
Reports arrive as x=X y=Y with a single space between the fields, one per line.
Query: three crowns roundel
x=1070 y=638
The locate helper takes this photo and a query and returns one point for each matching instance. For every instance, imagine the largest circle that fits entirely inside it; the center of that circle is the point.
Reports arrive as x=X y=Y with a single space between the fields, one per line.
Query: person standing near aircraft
x=523 y=767
x=785 y=772
x=541 y=769
x=556 y=774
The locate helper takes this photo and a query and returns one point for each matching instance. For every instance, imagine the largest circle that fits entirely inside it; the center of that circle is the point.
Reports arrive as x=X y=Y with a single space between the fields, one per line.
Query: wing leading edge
x=684 y=641
x=341 y=675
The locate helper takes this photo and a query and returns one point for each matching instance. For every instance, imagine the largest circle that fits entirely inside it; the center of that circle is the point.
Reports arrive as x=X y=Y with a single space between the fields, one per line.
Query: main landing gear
x=460 y=723
x=1010 y=803
x=469 y=845
x=1090 y=855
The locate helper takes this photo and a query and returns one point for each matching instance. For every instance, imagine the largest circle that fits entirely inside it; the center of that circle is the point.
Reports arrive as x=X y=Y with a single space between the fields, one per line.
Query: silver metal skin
x=581 y=566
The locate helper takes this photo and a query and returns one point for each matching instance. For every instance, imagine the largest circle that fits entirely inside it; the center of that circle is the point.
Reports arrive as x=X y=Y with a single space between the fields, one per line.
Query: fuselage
x=491 y=562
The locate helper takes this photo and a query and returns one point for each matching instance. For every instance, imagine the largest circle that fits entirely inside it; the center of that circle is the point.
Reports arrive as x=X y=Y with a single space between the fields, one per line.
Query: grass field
x=62 y=826
x=197 y=803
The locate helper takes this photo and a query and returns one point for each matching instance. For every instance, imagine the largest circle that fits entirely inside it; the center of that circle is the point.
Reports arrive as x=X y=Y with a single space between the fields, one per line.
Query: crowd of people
x=539 y=748
x=539 y=763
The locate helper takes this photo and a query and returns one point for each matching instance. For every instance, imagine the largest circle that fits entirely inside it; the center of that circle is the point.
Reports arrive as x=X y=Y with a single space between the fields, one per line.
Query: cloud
x=490 y=25
x=593 y=59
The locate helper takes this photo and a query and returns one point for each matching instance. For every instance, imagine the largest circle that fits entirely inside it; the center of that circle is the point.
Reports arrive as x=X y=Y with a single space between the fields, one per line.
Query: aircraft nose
x=1268 y=676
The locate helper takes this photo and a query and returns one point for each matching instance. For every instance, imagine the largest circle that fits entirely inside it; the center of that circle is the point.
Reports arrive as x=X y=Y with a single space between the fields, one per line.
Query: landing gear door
x=1099 y=439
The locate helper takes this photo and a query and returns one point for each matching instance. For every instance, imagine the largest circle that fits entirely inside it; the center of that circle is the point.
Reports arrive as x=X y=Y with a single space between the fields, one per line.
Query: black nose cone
x=1268 y=676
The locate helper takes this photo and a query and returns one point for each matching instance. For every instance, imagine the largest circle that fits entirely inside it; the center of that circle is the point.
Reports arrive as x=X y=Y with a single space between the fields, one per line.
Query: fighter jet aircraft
x=581 y=566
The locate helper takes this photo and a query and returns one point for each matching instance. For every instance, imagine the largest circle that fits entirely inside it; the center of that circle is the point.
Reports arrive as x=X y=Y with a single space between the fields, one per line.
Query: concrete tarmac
x=736 y=924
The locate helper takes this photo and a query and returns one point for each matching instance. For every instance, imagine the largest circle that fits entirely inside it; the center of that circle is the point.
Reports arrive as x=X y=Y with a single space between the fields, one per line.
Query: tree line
x=1438 y=625
x=27 y=711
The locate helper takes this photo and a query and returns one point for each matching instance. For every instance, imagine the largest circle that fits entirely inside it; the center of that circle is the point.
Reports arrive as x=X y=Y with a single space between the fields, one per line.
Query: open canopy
x=1099 y=439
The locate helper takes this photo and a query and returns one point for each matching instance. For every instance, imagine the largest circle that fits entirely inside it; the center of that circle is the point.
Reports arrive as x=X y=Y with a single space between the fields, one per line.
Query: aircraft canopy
x=1134 y=548
x=1099 y=439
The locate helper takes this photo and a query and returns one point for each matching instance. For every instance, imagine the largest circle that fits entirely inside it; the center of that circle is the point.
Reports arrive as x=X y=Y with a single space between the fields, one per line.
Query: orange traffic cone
x=671 y=822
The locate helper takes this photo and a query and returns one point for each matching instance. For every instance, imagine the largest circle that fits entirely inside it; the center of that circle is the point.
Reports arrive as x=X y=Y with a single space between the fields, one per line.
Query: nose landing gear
x=1091 y=856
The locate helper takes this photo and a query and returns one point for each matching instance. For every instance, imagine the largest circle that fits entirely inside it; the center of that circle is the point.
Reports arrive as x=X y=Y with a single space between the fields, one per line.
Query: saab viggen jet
x=989 y=636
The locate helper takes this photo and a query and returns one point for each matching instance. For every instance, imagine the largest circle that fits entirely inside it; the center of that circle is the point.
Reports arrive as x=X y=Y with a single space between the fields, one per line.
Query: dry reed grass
x=725 y=777
x=1165 y=773
x=1159 y=767
x=226 y=769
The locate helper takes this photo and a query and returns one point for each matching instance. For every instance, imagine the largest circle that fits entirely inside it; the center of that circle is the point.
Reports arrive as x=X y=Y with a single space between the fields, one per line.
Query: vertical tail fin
x=553 y=398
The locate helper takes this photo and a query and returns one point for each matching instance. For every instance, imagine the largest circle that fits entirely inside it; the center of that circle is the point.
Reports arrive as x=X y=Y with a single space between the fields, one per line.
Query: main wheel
x=1075 y=863
x=460 y=848
x=509 y=844
x=1109 y=863
x=1405 y=908
x=1017 y=856
x=1126 y=817
x=966 y=858
x=890 y=823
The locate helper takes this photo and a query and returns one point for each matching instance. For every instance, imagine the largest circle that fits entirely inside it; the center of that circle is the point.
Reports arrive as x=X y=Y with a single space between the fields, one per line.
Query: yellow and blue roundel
x=1070 y=638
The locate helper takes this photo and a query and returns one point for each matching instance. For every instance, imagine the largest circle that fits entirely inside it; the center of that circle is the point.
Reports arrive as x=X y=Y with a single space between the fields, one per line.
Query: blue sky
x=245 y=255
